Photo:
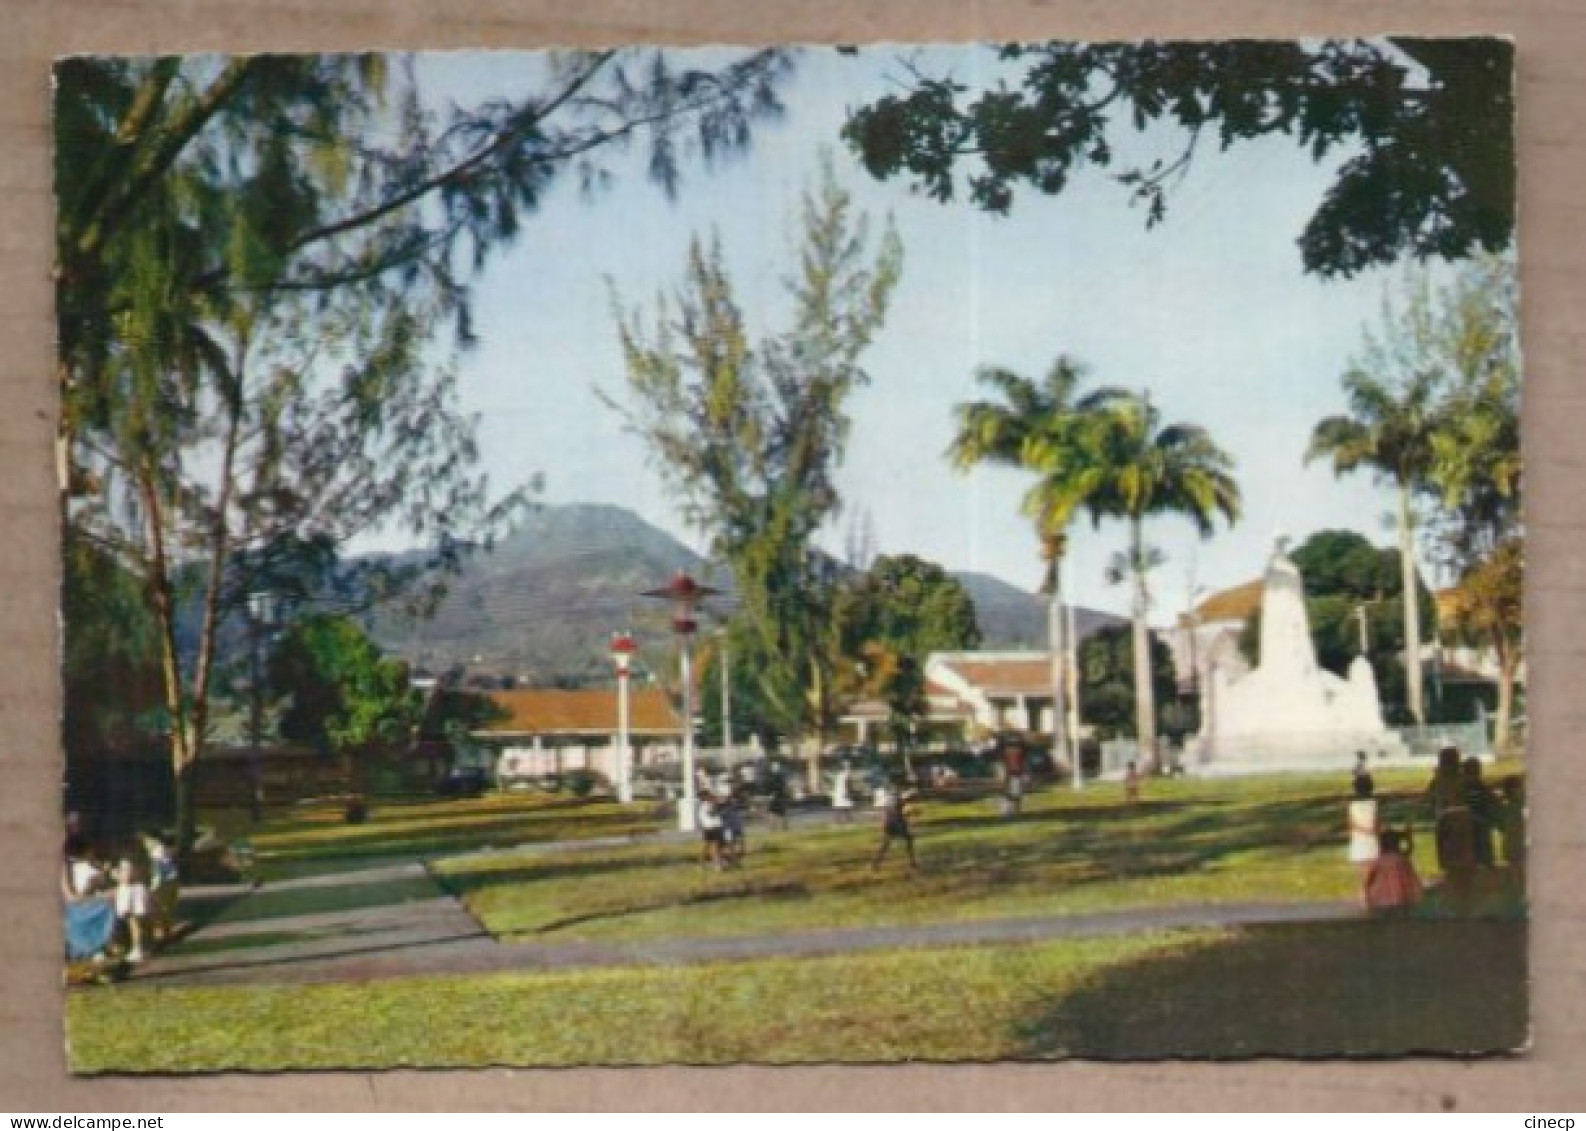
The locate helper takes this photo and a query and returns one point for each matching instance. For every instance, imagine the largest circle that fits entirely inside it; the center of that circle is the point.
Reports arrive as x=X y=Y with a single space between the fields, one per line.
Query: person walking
x=896 y=825
x=711 y=832
x=776 y=798
x=842 y=795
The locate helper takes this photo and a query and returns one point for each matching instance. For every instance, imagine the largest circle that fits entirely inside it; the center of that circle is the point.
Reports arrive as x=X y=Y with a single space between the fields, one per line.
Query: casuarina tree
x=749 y=433
x=256 y=260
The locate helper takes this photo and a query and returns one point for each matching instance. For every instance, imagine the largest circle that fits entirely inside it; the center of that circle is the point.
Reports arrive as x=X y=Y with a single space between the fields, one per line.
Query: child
x=842 y=799
x=1391 y=882
x=895 y=815
x=163 y=888
x=1363 y=829
x=711 y=832
x=1013 y=795
x=132 y=902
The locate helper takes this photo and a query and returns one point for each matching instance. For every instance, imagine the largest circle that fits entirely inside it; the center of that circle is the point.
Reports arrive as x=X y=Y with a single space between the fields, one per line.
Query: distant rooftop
x=548 y=711
x=1230 y=604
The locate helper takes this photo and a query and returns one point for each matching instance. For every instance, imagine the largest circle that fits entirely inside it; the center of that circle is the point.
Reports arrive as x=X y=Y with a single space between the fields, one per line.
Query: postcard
x=906 y=552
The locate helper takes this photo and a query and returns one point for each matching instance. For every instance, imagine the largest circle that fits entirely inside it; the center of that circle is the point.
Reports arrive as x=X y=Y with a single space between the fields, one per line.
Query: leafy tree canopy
x=1424 y=128
x=341 y=695
x=1342 y=563
x=908 y=605
x=111 y=659
x=1107 y=681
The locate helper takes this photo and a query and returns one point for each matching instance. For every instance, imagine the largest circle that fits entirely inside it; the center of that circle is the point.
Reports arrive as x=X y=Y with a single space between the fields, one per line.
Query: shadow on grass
x=464 y=884
x=194 y=914
x=255 y=958
x=776 y=890
x=1161 y=838
x=1364 y=988
x=1098 y=813
x=264 y=903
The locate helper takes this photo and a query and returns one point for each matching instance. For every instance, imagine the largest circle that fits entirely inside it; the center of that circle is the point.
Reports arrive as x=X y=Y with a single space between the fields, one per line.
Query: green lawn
x=1365 y=988
x=313 y=838
x=1191 y=841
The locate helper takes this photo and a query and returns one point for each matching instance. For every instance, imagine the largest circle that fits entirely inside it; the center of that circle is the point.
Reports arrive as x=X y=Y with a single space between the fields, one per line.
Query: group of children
x=1388 y=881
x=721 y=826
x=1467 y=817
x=723 y=808
x=118 y=908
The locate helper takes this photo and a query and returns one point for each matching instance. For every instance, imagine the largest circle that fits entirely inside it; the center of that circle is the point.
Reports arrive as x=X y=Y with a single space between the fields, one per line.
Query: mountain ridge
x=542 y=604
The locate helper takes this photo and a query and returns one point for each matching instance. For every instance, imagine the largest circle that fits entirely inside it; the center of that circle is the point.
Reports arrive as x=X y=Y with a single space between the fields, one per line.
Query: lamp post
x=726 y=700
x=1071 y=724
x=685 y=593
x=261 y=615
x=622 y=650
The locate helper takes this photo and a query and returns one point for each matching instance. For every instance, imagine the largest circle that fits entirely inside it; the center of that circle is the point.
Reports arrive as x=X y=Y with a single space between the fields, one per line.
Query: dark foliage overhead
x=1425 y=129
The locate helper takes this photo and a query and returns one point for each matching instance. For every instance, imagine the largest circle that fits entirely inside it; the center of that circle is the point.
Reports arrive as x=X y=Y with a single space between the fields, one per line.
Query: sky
x=1211 y=311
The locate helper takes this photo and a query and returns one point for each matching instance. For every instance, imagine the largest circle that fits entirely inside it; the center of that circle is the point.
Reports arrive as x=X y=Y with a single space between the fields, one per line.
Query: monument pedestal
x=1289 y=714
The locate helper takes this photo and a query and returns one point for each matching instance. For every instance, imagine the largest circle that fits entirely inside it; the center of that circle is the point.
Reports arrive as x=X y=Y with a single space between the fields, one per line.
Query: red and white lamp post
x=622 y=650
x=685 y=593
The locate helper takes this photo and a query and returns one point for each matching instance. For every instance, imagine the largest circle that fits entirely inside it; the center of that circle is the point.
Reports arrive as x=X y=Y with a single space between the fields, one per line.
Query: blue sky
x=1210 y=311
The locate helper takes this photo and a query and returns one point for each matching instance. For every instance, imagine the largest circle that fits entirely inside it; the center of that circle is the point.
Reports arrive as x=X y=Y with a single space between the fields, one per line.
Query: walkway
x=437 y=936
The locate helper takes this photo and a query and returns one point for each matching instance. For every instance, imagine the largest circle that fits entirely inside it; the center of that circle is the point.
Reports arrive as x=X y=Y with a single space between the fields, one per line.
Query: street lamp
x=622 y=650
x=261 y=617
x=685 y=593
x=726 y=700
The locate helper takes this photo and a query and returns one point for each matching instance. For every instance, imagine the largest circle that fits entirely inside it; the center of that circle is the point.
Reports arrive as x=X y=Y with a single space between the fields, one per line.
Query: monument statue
x=1289 y=713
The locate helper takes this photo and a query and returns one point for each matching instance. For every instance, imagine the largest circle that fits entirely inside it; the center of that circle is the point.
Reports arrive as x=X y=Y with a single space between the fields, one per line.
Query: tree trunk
x=1144 y=697
x=1508 y=666
x=1057 y=640
x=1410 y=595
x=183 y=735
x=812 y=755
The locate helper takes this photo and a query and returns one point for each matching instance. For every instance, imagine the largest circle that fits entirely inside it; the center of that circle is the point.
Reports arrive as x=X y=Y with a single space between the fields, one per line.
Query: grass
x=313 y=839
x=268 y=904
x=1369 y=988
x=1191 y=841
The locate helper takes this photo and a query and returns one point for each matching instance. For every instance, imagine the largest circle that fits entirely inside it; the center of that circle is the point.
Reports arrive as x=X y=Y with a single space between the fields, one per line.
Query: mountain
x=542 y=606
x=1012 y=619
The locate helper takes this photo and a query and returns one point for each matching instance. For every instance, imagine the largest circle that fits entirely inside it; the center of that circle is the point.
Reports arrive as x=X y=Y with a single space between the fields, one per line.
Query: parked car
x=462 y=781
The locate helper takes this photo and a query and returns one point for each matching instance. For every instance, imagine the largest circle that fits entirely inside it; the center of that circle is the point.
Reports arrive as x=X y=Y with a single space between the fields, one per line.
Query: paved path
x=438 y=936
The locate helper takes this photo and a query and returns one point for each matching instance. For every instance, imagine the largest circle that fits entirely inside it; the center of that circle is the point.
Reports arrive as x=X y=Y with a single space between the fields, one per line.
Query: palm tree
x=1035 y=427
x=1138 y=468
x=1391 y=428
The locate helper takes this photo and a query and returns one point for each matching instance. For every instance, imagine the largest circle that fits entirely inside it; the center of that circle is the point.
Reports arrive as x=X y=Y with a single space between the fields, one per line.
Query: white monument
x=1290 y=713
